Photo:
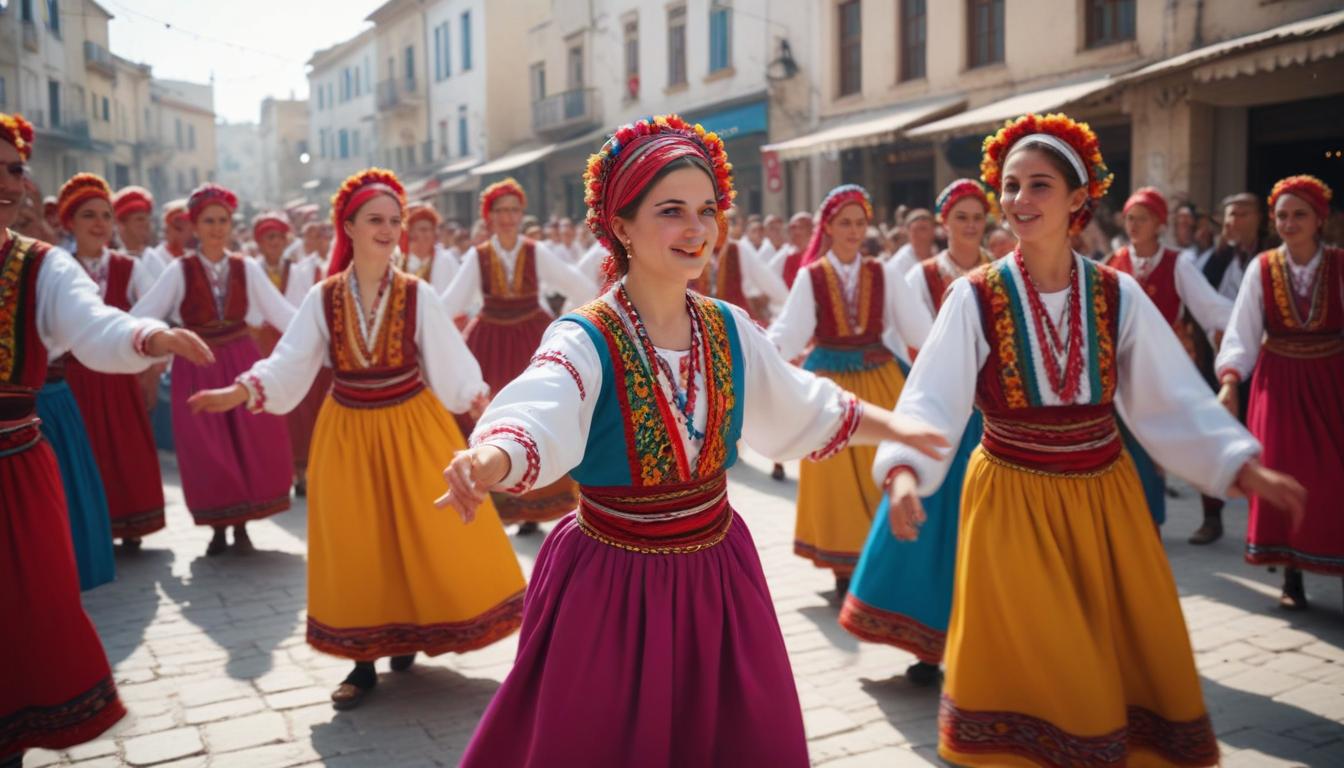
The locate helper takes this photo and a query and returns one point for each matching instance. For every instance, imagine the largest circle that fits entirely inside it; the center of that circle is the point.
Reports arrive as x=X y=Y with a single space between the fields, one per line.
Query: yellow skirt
x=837 y=497
x=1066 y=645
x=388 y=574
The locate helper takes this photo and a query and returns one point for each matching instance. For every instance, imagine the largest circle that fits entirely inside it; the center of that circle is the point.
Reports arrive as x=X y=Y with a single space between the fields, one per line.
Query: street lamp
x=304 y=157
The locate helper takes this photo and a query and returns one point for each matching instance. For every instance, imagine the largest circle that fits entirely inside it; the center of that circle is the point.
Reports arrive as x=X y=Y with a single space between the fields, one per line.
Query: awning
x=422 y=188
x=532 y=153
x=865 y=133
x=1304 y=34
x=1006 y=109
x=461 y=166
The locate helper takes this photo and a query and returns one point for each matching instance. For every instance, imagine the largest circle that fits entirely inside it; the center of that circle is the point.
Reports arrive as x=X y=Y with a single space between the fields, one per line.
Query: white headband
x=1063 y=148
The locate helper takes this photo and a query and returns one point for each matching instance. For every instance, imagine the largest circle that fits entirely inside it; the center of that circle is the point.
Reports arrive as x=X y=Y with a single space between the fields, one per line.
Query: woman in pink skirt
x=235 y=466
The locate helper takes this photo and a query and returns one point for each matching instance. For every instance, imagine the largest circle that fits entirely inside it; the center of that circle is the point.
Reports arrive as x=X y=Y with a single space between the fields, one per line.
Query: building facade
x=181 y=137
x=341 y=113
x=238 y=163
x=285 y=157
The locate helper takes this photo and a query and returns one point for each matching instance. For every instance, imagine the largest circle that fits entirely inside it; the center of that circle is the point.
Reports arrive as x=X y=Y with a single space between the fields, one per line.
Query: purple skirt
x=235 y=466
x=651 y=660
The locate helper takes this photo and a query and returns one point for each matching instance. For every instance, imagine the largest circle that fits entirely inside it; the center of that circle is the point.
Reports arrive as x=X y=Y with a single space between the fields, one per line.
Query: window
x=536 y=77
x=676 y=46
x=3 y=97
x=54 y=102
x=195 y=178
x=443 y=138
x=466 y=41
x=354 y=77
x=191 y=137
x=720 y=35
x=914 y=37
x=321 y=102
x=462 y=130
x=443 y=56
x=106 y=118
x=26 y=10
x=93 y=99
x=984 y=32
x=347 y=85
x=632 y=59
x=574 y=62
x=182 y=182
x=851 y=49
x=345 y=144
x=322 y=142
x=1109 y=21
x=330 y=96
x=177 y=129
x=54 y=17
x=410 y=67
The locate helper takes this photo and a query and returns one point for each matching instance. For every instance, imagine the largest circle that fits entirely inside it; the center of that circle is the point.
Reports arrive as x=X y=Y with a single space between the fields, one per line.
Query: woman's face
x=965 y=223
x=375 y=229
x=673 y=229
x=1185 y=225
x=92 y=225
x=1141 y=225
x=1296 y=222
x=847 y=228
x=422 y=237
x=1036 y=201
x=506 y=216
x=272 y=244
x=213 y=228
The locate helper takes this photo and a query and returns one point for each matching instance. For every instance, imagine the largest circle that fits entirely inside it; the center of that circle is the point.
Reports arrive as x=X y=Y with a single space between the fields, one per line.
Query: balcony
x=30 y=36
x=70 y=128
x=99 y=59
x=398 y=95
x=566 y=114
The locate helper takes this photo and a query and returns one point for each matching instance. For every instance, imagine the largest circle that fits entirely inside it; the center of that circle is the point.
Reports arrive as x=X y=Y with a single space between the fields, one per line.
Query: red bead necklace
x=1064 y=386
x=684 y=399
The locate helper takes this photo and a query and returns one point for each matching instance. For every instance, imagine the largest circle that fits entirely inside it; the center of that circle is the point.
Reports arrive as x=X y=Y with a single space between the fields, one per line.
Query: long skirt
x=388 y=573
x=901 y=594
x=113 y=406
x=1296 y=410
x=90 y=531
x=1152 y=479
x=56 y=689
x=650 y=660
x=1066 y=644
x=504 y=351
x=235 y=466
x=301 y=420
x=837 y=498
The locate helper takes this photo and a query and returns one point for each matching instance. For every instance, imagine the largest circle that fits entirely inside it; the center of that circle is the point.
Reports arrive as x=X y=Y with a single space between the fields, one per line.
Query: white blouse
x=904 y=322
x=1159 y=394
x=1210 y=308
x=757 y=277
x=142 y=278
x=441 y=272
x=264 y=302
x=445 y=362
x=914 y=277
x=552 y=272
x=71 y=317
x=303 y=275
x=1246 y=330
x=553 y=401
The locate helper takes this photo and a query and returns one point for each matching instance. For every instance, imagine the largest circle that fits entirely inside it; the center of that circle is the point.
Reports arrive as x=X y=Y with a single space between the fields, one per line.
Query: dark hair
x=627 y=212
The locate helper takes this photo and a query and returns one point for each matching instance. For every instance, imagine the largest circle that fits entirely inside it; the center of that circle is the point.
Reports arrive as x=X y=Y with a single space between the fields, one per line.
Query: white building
x=341 y=111
x=238 y=153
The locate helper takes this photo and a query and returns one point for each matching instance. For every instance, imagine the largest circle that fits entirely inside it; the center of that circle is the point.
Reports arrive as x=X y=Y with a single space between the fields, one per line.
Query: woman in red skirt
x=1288 y=328
x=56 y=689
x=112 y=404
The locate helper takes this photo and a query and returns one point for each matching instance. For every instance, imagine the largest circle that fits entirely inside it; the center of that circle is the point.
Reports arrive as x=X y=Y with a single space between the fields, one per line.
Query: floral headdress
x=17 y=131
x=355 y=191
x=503 y=188
x=837 y=198
x=959 y=190
x=209 y=194
x=80 y=189
x=1315 y=192
x=1072 y=140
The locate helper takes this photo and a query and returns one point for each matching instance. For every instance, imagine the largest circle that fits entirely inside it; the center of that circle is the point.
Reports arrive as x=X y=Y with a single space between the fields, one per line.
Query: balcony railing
x=99 y=59
x=398 y=93
x=30 y=36
x=567 y=113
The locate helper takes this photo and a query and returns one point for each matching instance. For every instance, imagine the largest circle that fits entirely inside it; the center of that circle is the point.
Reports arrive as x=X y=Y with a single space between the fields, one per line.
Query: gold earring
x=629 y=250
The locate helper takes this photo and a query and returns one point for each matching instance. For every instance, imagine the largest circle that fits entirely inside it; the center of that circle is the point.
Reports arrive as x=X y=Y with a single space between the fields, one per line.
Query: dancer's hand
x=917 y=435
x=1229 y=396
x=1274 y=488
x=180 y=342
x=218 y=400
x=470 y=477
x=905 y=513
x=478 y=406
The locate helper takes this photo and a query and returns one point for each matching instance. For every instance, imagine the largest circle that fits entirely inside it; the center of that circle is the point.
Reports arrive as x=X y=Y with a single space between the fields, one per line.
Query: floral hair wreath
x=600 y=164
x=19 y=132
x=1316 y=192
x=210 y=194
x=81 y=188
x=418 y=211
x=961 y=188
x=502 y=188
x=1079 y=136
x=355 y=181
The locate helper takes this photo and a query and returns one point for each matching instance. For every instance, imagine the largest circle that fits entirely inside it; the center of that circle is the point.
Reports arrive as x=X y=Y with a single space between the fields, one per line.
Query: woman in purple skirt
x=649 y=637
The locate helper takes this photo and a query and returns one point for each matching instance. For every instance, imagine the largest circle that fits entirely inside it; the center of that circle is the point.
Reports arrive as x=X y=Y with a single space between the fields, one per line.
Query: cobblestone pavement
x=210 y=658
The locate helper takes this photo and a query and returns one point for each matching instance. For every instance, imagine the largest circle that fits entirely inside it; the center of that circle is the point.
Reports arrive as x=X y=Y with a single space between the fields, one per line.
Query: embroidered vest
x=504 y=300
x=119 y=269
x=1159 y=283
x=792 y=263
x=23 y=356
x=198 y=309
x=1020 y=430
x=1297 y=326
x=639 y=491
x=723 y=281
x=848 y=338
x=386 y=373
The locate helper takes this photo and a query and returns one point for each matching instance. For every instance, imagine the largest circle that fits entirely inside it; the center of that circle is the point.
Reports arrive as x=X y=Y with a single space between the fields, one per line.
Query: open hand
x=180 y=342
x=918 y=435
x=905 y=513
x=1274 y=488
x=470 y=477
x=217 y=400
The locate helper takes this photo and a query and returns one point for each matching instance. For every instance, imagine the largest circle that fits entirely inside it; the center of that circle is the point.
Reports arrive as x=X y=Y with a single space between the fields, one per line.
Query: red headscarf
x=1310 y=189
x=355 y=191
x=841 y=196
x=80 y=189
x=209 y=194
x=267 y=222
x=130 y=200
x=507 y=187
x=17 y=131
x=1151 y=199
x=957 y=191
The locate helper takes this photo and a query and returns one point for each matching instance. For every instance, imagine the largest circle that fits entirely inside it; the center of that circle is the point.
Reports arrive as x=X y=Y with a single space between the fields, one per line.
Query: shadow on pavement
x=826 y=617
x=747 y=474
x=1251 y=721
x=124 y=609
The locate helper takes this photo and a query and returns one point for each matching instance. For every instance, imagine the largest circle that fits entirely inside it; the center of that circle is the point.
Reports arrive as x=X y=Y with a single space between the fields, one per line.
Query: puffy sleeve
x=541 y=419
x=563 y=276
x=155 y=259
x=162 y=301
x=300 y=280
x=465 y=287
x=265 y=297
x=443 y=271
x=822 y=416
x=759 y=274
x=1246 y=327
x=940 y=391
x=142 y=279
x=71 y=316
x=1210 y=308
x=915 y=279
x=278 y=383
x=904 y=311
x=449 y=366
x=1168 y=406
x=793 y=328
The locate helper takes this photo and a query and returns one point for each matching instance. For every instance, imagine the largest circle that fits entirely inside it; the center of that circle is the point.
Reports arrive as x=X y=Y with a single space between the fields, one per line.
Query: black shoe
x=528 y=528
x=777 y=473
x=923 y=674
x=1294 y=597
x=1209 y=532
x=1172 y=493
x=12 y=761
x=402 y=663
x=301 y=488
x=131 y=544
x=218 y=545
x=841 y=587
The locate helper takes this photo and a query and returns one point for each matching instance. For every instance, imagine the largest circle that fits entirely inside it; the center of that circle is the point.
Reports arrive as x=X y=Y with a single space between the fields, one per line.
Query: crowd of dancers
x=986 y=430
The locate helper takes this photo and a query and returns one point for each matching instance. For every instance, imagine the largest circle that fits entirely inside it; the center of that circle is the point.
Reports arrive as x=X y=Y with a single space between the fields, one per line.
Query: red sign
x=774 y=178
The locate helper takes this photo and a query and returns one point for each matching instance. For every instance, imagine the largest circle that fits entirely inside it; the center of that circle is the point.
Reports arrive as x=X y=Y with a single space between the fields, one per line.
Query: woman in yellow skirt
x=1066 y=644
x=849 y=304
x=388 y=575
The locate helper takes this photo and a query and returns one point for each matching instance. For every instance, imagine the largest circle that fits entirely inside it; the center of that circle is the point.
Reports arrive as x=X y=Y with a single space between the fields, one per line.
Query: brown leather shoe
x=348 y=696
x=1209 y=532
x=777 y=473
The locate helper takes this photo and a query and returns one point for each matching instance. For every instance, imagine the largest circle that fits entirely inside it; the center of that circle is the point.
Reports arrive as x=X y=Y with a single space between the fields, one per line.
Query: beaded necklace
x=1065 y=385
x=368 y=326
x=684 y=398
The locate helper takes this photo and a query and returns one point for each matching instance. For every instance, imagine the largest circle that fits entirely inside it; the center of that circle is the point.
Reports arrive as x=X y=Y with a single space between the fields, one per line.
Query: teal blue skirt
x=90 y=525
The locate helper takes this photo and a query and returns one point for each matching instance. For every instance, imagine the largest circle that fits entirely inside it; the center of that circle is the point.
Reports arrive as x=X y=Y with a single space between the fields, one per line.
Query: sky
x=252 y=48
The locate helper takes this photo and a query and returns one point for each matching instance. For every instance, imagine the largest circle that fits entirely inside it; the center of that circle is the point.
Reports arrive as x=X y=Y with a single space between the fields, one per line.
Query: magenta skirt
x=650 y=660
x=235 y=466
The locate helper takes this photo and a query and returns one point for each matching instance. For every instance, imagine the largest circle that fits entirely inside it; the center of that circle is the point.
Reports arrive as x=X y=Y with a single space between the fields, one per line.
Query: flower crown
x=596 y=175
x=1077 y=135
x=81 y=188
x=417 y=211
x=844 y=195
x=502 y=188
x=1304 y=182
x=355 y=181
x=17 y=131
x=210 y=194
x=961 y=188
